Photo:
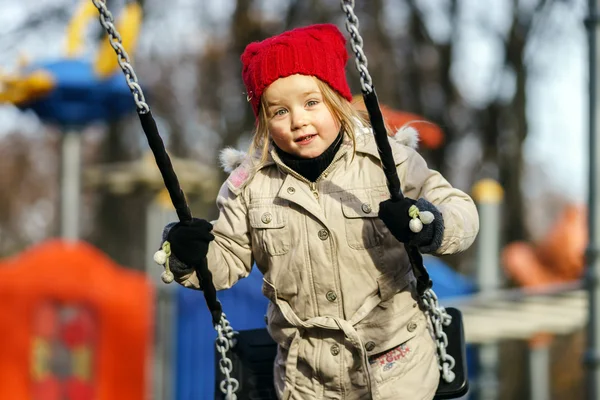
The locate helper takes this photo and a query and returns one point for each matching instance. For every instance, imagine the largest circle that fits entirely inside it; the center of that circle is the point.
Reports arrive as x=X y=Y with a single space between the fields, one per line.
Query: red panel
x=77 y=274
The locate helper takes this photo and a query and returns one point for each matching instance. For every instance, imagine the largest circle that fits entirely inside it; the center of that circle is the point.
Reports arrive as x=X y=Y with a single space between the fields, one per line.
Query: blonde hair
x=341 y=109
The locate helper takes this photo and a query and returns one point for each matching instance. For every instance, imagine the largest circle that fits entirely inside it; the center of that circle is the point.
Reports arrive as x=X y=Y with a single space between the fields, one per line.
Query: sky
x=557 y=91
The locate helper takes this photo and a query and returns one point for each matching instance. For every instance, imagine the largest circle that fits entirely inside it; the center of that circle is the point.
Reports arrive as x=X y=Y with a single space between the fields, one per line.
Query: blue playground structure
x=76 y=90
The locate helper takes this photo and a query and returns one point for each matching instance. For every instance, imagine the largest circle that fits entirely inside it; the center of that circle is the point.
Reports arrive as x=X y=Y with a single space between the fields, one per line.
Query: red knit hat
x=318 y=50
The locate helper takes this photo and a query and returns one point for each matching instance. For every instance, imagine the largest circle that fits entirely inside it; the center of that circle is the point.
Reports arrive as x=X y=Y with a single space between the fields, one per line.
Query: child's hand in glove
x=184 y=246
x=405 y=217
x=189 y=240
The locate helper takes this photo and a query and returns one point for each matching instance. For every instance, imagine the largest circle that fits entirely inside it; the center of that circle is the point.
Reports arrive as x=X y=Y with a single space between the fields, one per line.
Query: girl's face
x=298 y=119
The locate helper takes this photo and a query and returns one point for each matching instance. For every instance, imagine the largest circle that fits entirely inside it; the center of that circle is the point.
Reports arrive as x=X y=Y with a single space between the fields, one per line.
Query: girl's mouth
x=305 y=139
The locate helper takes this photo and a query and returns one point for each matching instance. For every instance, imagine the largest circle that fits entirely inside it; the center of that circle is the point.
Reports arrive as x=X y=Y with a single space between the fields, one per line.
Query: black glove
x=396 y=218
x=189 y=242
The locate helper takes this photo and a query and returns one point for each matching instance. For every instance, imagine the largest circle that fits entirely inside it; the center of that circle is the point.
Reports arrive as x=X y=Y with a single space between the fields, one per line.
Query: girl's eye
x=312 y=103
x=281 y=111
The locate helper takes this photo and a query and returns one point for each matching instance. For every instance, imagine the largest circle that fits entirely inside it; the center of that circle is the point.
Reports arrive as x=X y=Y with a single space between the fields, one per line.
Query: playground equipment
x=557 y=258
x=431 y=136
x=74 y=90
x=592 y=274
x=75 y=325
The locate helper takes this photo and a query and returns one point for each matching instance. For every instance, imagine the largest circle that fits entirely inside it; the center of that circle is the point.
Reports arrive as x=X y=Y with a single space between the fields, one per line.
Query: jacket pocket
x=364 y=229
x=393 y=322
x=414 y=353
x=270 y=229
x=396 y=336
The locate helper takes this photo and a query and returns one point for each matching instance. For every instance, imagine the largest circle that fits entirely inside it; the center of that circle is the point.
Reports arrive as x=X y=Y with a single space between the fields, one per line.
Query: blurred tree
x=195 y=89
x=119 y=220
x=27 y=214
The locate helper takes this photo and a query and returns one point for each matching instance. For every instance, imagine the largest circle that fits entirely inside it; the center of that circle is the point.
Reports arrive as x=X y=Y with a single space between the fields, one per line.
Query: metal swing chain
x=225 y=333
x=225 y=341
x=107 y=21
x=357 y=46
x=438 y=317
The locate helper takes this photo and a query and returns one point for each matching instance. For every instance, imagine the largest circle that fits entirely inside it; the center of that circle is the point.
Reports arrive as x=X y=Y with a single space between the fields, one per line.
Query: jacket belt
x=325 y=322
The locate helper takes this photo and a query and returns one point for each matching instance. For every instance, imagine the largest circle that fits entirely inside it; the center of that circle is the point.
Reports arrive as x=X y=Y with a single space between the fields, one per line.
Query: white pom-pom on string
x=167 y=277
x=160 y=257
x=426 y=217
x=415 y=225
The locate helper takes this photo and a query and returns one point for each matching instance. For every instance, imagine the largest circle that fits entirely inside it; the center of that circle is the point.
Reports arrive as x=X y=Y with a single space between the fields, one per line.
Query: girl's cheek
x=277 y=136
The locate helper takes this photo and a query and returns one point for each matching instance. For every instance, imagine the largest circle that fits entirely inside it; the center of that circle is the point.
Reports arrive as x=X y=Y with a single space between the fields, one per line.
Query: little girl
x=309 y=205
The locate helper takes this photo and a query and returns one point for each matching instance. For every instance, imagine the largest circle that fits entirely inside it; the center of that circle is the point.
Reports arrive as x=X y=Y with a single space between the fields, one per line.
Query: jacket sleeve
x=461 y=220
x=229 y=256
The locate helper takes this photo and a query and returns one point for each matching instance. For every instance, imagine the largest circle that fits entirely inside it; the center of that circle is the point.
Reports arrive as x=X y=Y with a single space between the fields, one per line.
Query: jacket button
x=291 y=190
x=335 y=350
x=331 y=296
x=370 y=346
x=266 y=218
x=323 y=234
x=411 y=326
x=366 y=207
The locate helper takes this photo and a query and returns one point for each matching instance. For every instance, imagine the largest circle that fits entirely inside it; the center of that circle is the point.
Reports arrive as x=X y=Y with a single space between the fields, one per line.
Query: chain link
x=366 y=83
x=107 y=22
x=438 y=318
x=224 y=343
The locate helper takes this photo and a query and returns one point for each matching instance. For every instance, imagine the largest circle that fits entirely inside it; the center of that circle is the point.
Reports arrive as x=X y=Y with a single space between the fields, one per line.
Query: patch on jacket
x=239 y=176
x=388 y=360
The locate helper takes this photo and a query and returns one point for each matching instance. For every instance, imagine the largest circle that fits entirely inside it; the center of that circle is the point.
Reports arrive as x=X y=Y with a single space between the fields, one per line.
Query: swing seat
x=254 y=354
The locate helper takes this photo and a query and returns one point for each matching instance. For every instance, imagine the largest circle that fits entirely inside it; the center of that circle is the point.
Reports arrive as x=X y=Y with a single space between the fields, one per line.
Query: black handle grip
x=389 y=169
x=163 y=161
x=383 y=145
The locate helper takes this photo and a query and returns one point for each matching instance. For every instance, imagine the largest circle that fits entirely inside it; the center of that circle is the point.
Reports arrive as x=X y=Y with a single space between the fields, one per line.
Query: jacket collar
x=232 y=159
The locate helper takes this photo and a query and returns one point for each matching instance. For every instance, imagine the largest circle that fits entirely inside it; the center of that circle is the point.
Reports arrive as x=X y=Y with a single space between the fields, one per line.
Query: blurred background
x=502 y=84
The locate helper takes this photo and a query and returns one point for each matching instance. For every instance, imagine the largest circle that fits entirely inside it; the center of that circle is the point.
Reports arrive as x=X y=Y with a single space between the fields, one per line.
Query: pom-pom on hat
x=318 y=50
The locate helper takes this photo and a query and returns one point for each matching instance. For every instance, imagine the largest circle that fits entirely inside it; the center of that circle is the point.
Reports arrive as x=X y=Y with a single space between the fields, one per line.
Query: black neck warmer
x=311 y=168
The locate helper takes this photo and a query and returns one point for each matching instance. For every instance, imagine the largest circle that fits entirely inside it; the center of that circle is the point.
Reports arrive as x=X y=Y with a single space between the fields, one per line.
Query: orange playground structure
x=75 y=325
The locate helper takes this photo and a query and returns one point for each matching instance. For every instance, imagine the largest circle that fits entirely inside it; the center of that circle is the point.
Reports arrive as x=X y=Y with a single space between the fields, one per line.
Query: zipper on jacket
x=313 y=189
x=313 y=185
x=326 y=171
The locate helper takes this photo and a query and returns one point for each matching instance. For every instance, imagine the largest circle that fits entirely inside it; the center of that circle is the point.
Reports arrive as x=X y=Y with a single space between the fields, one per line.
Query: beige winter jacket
x=341 y=287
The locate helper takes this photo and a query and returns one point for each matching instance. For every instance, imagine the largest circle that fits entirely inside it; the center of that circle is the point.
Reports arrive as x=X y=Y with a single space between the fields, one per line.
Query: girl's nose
x=299 y=119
